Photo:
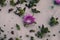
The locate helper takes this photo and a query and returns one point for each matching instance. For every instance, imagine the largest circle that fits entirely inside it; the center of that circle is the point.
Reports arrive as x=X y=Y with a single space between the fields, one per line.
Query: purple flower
x=57 y=1
x=28 y=19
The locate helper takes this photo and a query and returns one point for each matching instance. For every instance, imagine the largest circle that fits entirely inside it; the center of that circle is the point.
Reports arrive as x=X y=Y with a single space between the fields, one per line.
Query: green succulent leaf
x=12 y=2
x=17 y=38
x=18 y=27
x=21 y=11
x=35 y=1
x=35 y=10
x=32 y=3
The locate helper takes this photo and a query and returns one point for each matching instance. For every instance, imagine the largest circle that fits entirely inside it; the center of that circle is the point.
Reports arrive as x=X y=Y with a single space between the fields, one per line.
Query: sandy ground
x=10 y=20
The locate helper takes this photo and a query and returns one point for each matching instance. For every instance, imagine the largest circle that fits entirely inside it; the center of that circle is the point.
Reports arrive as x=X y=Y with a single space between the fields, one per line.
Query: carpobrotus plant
x=53 y=21
x=28 y=19
x=43 y=30
x=20 y=11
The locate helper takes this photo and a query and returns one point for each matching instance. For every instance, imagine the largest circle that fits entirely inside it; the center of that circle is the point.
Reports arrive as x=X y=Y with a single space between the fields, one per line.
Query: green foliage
x=35 y=1
x=21 y=11
x=2 y=2
x=53 y=21
x=42 y=31
x=22 y=1
x=35 y=10
x=32 y=3
x=18 y=27
x=12 y=2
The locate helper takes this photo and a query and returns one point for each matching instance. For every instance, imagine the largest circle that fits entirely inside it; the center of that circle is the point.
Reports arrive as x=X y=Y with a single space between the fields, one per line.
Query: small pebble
x=20 y=36
x=35 y=34
x=27 y=35
x=11 y=9
x=0 y=9
x=11 y=27
x=32 y=31
x=48 y=35
x=12 y=32
x=59 y=31
x=46 y=39
x=10 y=39
x=5 y=36
x=56 y=18
x=4 y=25
x=52 y=7
x=0 y=32
x=38 y=26
x=54 y=35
